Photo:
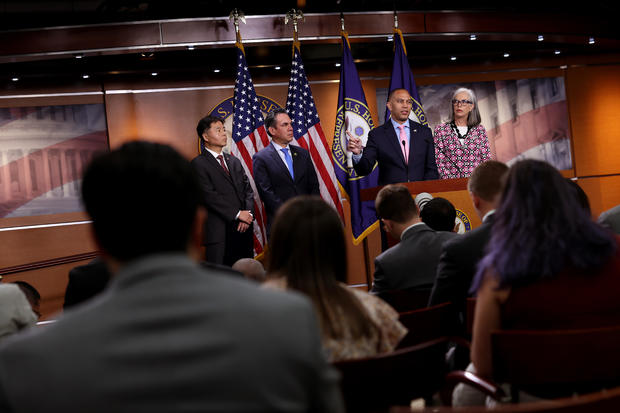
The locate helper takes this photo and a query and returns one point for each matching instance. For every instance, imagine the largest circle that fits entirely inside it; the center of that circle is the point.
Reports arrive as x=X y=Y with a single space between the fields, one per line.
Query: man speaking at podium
x=403 y=149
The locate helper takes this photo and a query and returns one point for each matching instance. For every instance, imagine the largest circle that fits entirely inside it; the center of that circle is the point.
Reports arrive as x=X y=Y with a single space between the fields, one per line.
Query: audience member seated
x=15 y=311
x=32 y=295
x=86 y=281
x=307 y=254
x=460 y=255
x=166 y=335
x=251 y=269
x=611 y=219
x=439 y=214
x=548 y=266
x=413 y=261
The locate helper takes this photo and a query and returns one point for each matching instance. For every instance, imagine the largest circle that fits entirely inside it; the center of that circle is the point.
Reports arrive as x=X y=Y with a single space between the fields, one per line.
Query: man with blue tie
x=281 y=170
x=403 y=149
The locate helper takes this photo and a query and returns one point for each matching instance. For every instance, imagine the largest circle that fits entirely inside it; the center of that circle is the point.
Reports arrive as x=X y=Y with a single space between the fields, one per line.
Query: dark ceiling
x=425 y=52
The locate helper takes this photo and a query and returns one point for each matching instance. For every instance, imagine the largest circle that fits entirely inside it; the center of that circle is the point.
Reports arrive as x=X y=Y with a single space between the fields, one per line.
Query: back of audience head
x=439 y=214
x=396 y=209
x=541 y=229
x=485 y=185
x=252 y=269
x=32 y=295
x=307 y=248
x=143 y=198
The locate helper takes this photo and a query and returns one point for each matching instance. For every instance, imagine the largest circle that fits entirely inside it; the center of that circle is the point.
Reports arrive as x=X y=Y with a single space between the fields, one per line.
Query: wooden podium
x=454 y=190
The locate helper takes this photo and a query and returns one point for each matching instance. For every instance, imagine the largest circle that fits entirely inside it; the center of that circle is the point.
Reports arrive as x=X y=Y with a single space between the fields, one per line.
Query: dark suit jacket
x=273 y=180
x=168 y=336
x=412 y=262
x=224 y=196
x=383 y=147
x=457 y=265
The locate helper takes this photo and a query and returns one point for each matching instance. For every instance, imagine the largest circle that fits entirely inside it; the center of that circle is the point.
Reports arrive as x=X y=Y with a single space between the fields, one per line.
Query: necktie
x=404 y=145
x=289 y=161
x=221 y=159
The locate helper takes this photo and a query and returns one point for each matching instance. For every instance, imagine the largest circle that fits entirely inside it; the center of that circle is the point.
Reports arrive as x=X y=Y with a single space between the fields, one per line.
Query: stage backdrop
x=524 y=118
x=43 y=151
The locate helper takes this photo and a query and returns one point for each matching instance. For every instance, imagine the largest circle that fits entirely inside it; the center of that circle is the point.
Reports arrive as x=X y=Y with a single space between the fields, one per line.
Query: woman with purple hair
x=548 y=265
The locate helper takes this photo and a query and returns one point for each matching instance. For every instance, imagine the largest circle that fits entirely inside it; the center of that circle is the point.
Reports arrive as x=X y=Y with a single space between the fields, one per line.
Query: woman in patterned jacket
x=461 y=143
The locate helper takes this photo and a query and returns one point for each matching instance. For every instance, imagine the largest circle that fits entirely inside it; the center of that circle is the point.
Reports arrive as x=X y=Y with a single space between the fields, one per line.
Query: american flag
x=308 y=132
x=250 y=136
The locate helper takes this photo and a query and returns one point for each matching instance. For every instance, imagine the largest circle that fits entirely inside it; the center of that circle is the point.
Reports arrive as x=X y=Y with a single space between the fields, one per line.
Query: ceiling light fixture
x=591 y=40
x=216 y=70
x=79 y=56
x=541 y=37
x=154 y=74
x=337 y=64
x=453 y=58
x=85 y=76
x=190 y=47
x=557 y=52
x=506 y=54
x=472 y=37
x=14 y=79
x=277 y=68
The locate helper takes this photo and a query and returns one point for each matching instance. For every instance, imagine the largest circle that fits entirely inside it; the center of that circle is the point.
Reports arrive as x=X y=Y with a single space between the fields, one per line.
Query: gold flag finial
x=235 y=16
x=294 y=16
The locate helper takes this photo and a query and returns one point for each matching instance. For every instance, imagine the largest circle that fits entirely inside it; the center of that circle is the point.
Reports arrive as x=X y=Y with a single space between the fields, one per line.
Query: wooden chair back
x=408 y=299
x=375 y=383
x=428 y=323
x=555 y=363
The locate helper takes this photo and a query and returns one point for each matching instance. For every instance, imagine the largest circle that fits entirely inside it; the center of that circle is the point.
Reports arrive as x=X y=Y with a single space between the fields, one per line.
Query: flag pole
x=366 y=250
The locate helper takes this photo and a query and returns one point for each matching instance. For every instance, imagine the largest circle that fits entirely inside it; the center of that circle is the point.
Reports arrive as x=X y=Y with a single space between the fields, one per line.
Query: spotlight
x=154 y=73
x=541 y=37
x=277 y=68
x=591 y=40
x=14 y=79
x=85 y=76
x=190 y=47
x=216 y=70
x=472 y=37
x=506 y=54
x=337 y=64
x=453 y=58
x=557 y=52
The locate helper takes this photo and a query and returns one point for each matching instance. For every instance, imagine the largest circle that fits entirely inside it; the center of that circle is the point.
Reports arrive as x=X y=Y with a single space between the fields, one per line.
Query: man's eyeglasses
x=456 y=102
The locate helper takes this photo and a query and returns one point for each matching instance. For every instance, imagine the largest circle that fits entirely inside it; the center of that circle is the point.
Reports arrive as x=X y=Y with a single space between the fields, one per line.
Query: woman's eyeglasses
x=456 y=102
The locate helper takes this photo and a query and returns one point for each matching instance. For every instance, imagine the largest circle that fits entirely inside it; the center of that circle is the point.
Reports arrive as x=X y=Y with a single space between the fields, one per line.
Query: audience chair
x=430 y=323
x=374 y=384
x=601 y=401
x=408 y=299
x=470 y=308
x=548 y=363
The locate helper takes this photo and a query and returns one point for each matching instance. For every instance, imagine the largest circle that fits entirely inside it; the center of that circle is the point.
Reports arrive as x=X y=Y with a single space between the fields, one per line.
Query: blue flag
x=353 y=116
x=402 y=78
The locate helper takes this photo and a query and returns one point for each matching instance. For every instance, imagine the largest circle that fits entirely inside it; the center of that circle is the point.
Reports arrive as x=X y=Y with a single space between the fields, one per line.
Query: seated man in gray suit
x=413 y=261
x=166 y=335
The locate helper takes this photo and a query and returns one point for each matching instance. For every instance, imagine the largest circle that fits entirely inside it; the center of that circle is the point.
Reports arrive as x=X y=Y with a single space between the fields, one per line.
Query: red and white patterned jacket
x=455 y=160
